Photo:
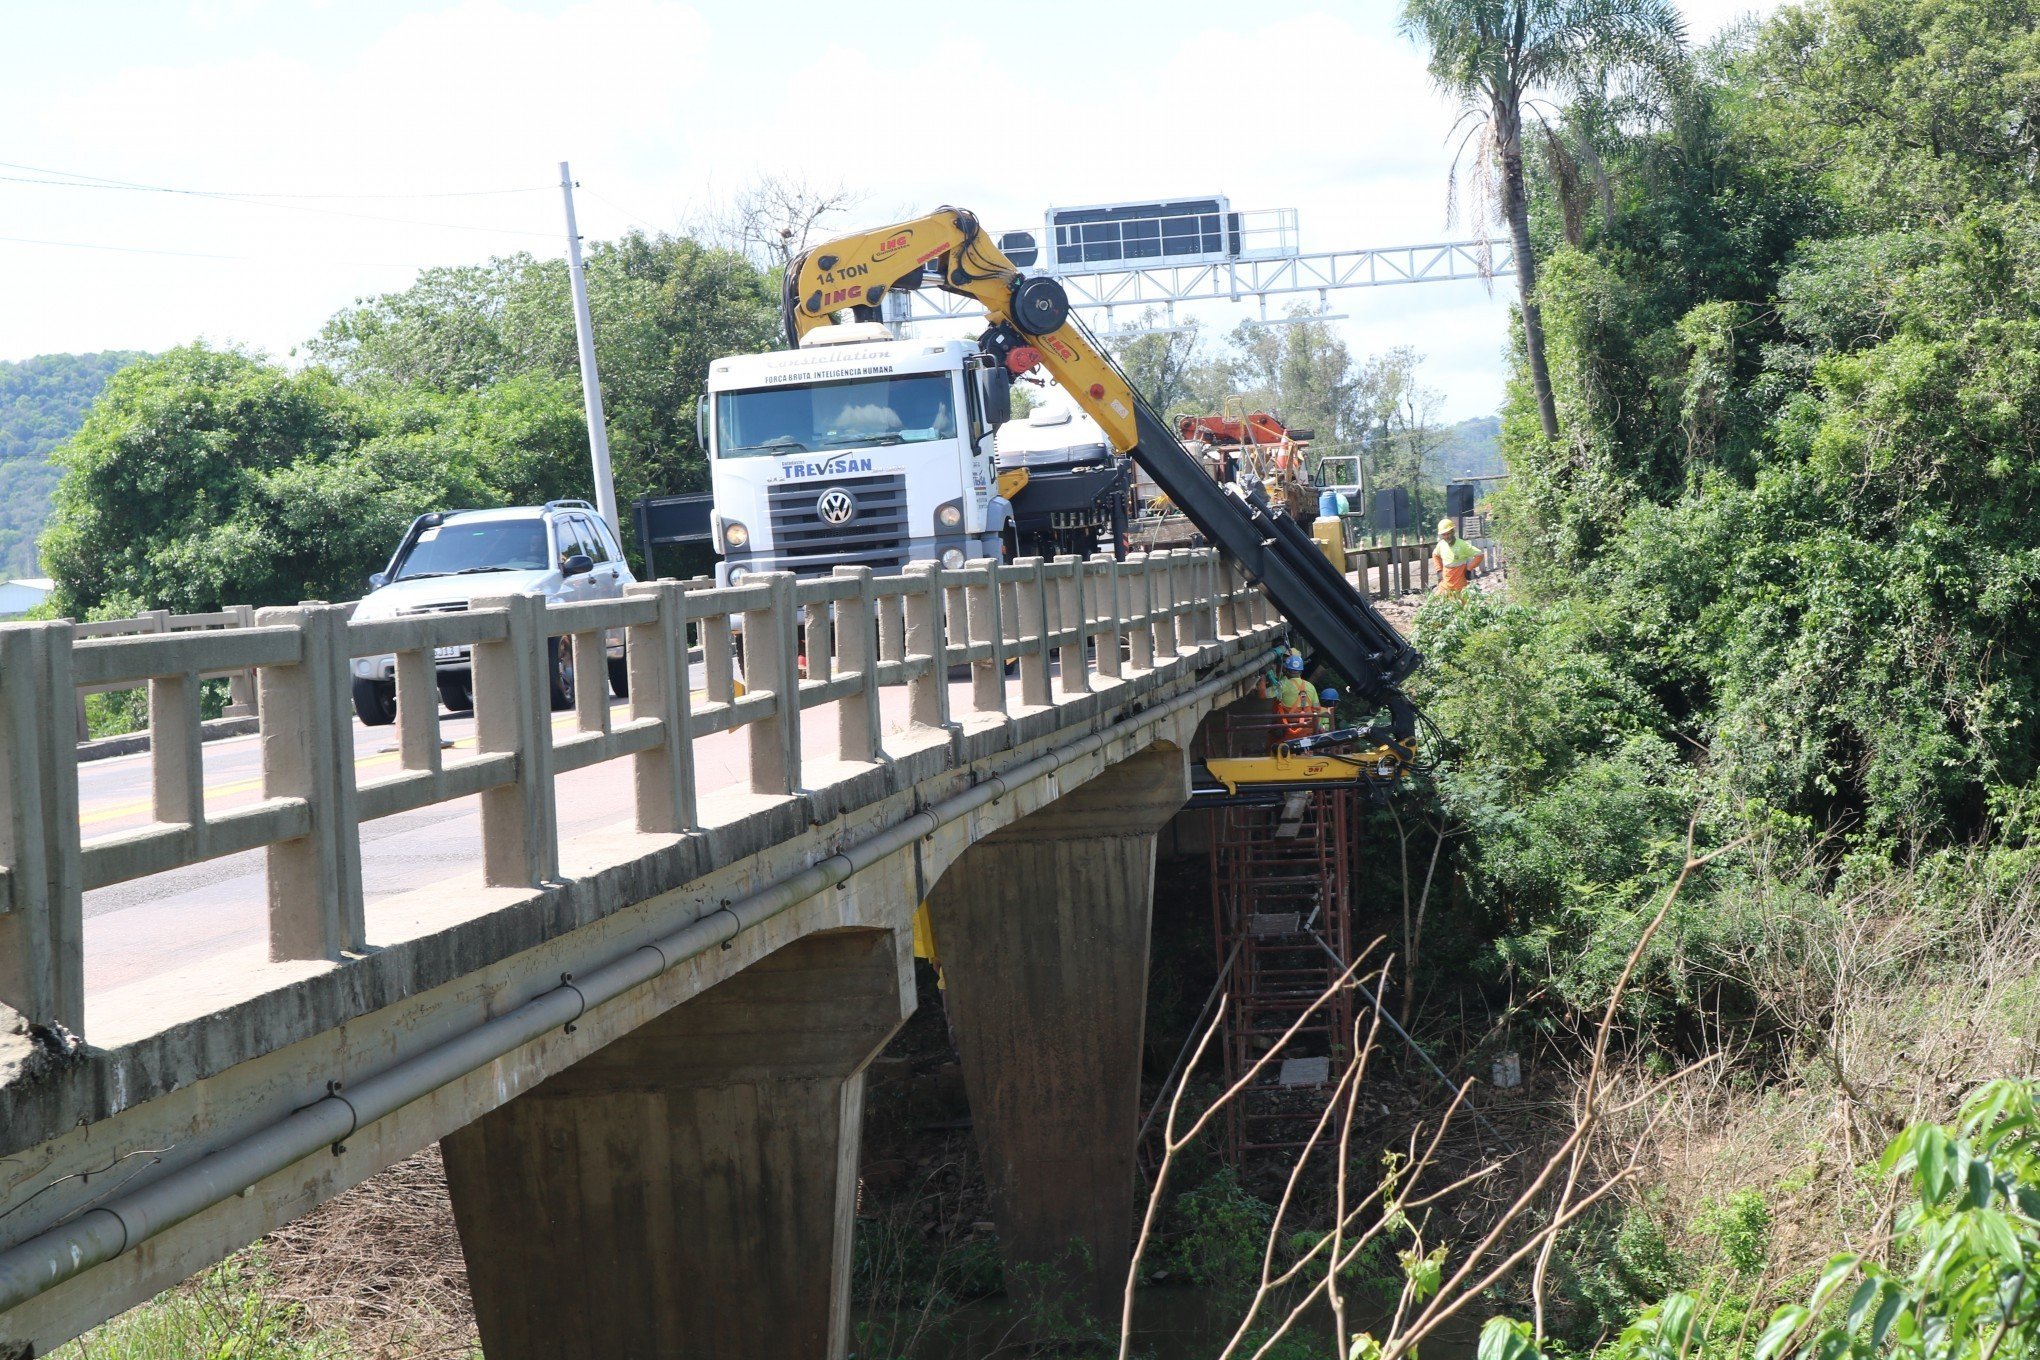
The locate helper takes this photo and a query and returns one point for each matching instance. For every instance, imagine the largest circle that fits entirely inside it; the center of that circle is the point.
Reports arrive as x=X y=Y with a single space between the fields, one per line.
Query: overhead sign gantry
x=1156 y=253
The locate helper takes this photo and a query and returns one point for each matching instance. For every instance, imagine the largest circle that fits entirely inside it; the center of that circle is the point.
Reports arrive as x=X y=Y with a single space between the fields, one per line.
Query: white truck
x=854 y=450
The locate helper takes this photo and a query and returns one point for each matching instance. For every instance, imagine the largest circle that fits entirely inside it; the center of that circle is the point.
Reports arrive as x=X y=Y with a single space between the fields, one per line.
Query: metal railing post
x=925 y=637
x=42 y=912
x=857 y=718
x=660 y=688
x=513 y=713
x=315 y=890
x=771 y=662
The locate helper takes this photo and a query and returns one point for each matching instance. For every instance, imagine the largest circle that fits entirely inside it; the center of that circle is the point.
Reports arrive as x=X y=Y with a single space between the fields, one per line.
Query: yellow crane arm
x=1030 y=323
x=856 y=272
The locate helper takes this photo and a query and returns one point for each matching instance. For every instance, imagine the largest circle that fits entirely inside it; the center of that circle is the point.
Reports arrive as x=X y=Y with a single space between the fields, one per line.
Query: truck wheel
x=375 y=702
x=619 y=676
x=457 y=692
x=560 y=666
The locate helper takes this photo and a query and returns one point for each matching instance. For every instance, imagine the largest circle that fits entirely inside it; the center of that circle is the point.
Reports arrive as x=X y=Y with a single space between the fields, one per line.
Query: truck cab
x=854 y=450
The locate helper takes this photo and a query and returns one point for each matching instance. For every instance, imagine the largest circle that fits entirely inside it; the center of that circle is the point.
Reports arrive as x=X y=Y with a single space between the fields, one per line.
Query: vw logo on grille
x=836 y=506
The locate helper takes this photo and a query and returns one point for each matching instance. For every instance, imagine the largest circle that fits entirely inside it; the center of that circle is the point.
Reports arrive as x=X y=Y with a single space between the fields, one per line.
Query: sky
x=339 y=146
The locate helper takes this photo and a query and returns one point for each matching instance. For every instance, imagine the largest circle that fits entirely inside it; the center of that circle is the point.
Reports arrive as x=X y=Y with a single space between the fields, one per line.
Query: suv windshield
x=475 y=546
x=859 y=413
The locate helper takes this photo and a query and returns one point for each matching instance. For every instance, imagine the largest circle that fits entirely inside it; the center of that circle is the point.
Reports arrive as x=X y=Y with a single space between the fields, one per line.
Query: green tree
x=663 y=307
x=42 y=400
x=206 y=477
x=1499 y=57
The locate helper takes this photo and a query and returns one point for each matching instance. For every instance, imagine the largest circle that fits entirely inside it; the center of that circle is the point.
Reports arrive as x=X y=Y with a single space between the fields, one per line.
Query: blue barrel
x=1328 y=503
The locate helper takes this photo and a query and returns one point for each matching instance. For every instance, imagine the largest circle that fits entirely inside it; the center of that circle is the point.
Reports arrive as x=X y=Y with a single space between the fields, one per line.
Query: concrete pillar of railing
x=513 y=713
x=1030 y=631
x=1101 y=590
x=1070 y=621
x=717 y=650
x=1162 y=602
x=925 y=636
x=1208 y=587
x=42 y=916
x=241 y=684
x=1137 y=582
x=418 y=711
x=315 y=892
x=659 y=688
x=857 y=718
x=1226 y=574
x=981 y=611
x=772 y=662
x=590 y=651
x=892 y=628
x=176 y=772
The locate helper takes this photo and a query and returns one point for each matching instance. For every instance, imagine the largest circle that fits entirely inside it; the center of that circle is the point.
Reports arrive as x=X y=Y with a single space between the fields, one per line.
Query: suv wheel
x=619 y=676
x=457 y=692
x=560 y=666
x=375 y=702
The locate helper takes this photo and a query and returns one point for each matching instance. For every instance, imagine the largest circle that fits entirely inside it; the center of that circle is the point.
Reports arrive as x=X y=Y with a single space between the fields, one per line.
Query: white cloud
x=664 y=108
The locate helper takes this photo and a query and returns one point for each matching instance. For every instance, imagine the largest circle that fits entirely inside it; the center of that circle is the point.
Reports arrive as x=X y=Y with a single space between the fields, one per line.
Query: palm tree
x=1499 y=57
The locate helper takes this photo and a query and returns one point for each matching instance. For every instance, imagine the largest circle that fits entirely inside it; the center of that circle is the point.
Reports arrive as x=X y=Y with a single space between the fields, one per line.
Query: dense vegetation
x=1775 y=578
x=208 y=476
x=42 y=400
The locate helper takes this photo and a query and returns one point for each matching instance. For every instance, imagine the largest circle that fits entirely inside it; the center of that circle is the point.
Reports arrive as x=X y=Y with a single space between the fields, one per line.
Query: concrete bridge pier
x=1042 y=929
x=689 y=1190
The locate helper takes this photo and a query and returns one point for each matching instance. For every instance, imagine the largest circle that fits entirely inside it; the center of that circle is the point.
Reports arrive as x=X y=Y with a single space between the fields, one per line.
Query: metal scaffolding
x=1282 y=916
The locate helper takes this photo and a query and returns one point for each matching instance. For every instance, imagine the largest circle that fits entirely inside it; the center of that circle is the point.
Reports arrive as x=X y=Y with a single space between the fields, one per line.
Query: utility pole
x=591 y=382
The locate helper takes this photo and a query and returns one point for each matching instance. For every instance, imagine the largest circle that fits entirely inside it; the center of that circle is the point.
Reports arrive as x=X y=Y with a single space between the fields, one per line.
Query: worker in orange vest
x=1296 y=699
x=1454 y=560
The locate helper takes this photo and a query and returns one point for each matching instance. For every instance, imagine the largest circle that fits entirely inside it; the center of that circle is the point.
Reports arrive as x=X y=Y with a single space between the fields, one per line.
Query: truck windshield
x=856 y=413
x=484 y=545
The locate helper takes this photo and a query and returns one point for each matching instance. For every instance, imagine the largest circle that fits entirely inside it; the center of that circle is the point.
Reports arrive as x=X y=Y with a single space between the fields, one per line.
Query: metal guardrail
x=1065 y=622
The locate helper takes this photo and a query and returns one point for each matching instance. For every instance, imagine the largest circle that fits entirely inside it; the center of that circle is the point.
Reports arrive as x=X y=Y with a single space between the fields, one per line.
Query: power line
x=78 y=180
x=292 y=260
x=603 y=198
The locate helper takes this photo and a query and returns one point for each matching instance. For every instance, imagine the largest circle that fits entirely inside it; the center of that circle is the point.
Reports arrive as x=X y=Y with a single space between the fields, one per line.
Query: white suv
x=563 y=550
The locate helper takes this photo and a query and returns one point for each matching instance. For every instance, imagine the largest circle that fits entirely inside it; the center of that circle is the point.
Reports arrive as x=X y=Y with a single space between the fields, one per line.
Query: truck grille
x=807 y=544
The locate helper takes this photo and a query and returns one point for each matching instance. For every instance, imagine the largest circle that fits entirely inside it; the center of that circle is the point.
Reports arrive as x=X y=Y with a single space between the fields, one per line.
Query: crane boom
x=1030 y=322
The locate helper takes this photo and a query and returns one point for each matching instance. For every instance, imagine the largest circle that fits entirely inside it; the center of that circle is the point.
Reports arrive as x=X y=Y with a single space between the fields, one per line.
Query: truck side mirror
x=577 y=564
x=995 y=388
x=377 y=580
x=701 y=422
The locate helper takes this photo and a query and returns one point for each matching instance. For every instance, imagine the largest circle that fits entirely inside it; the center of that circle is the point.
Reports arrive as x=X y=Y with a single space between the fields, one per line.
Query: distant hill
x=1472 y=448
x=42 y=400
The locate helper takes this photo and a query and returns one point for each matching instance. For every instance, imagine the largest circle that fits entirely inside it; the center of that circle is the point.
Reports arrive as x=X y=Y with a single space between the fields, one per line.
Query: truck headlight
x=950 y=515
x=952 y=559
x=737 y=575
x=735 y=535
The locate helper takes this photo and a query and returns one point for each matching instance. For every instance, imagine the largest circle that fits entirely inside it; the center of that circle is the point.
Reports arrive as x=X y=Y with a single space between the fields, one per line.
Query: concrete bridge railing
x=567 y=1014
x=804 y=644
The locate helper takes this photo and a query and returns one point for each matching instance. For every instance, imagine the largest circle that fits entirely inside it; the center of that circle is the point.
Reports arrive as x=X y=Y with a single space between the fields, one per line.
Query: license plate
x=449 y=653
